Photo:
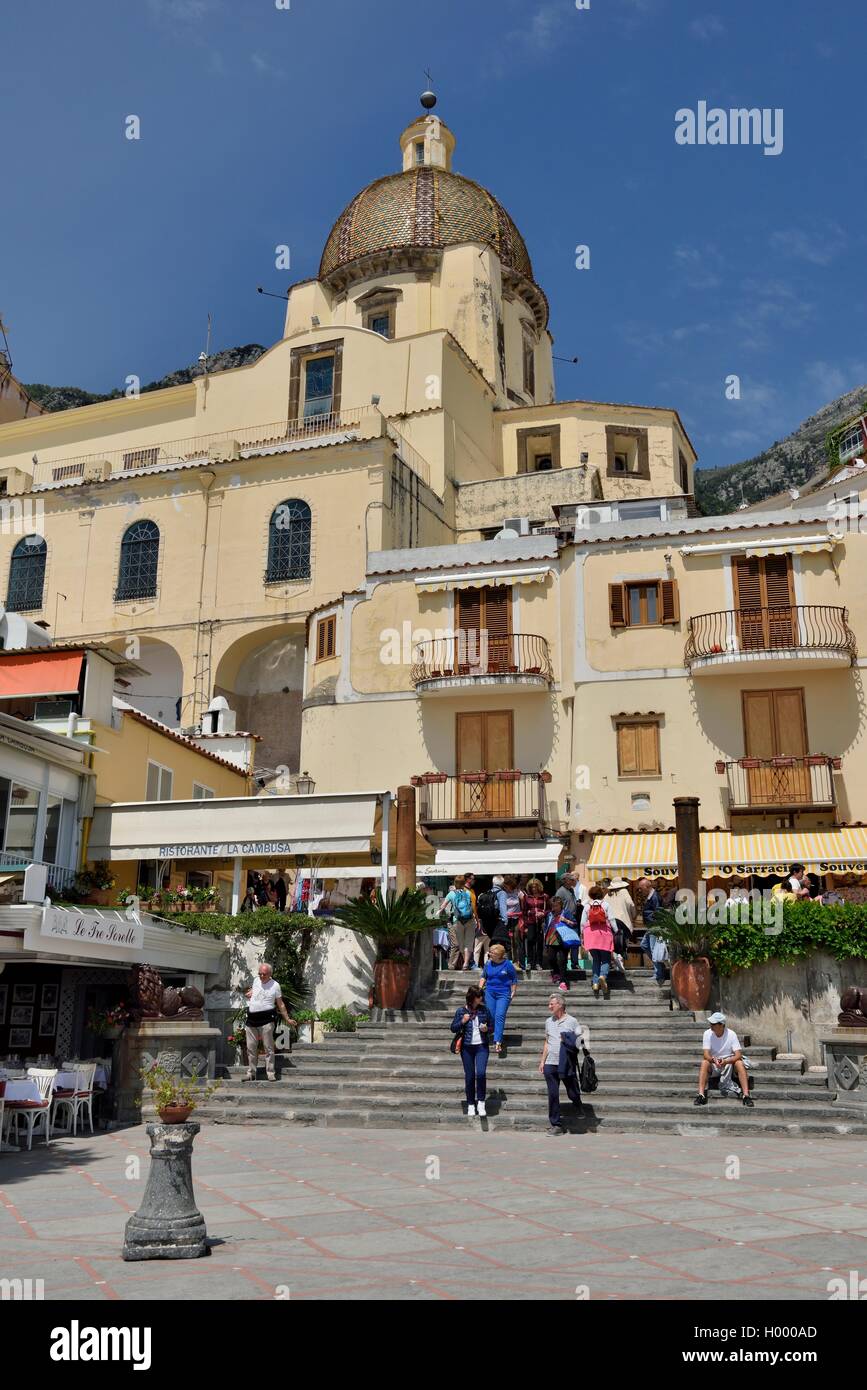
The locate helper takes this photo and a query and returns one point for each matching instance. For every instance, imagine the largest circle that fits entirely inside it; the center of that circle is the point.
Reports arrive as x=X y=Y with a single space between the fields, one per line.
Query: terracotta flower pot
x=100 y=897
x=691 y=980
x=175 y=1114
x=391 y=983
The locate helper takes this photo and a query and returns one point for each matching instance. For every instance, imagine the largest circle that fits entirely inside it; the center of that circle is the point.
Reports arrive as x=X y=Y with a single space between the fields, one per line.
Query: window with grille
x=289 y=542
x=326 y=638
x=139 y=556
x=141 y=458
x=27 y=574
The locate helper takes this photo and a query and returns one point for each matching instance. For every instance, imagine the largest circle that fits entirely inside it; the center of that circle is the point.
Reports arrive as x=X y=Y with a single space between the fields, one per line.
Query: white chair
x=83 y=1100
x=34 y=1110
x=65 y=1100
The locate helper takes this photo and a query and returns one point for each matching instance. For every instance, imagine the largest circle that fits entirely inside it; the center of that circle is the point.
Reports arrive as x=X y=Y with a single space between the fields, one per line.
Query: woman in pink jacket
x=597 y=937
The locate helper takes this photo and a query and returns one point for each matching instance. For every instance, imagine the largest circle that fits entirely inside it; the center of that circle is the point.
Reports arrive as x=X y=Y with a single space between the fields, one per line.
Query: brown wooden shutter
x=669 y=605
x=627 y=750
x=617 y=605
x=648 y=748
x=748 y=583
x=469 y=610
x=781 y=618
x=497 y=622
x=320 y=640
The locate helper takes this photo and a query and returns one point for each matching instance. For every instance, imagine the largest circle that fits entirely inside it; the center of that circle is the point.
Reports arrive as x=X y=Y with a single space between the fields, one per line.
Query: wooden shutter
x=638 y=749
x=497 y=622
x=648 y=748
x=617 y=605
x=669 y=606
x=750 y=629
x=325 y=630
x=469 y=610
x=779 y=600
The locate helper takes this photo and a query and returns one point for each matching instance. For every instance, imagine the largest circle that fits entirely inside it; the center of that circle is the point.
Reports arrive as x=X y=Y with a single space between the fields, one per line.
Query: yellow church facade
x=399 y=557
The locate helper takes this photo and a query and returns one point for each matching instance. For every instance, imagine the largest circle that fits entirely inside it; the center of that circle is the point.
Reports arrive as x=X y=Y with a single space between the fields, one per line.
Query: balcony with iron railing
x=748 y=639
x=482 y=799
x=781 y=784
x=478 y=660
x=358 y=422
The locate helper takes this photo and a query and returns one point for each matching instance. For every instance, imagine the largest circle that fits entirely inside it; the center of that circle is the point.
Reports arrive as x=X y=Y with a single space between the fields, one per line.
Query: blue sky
x=259 y=124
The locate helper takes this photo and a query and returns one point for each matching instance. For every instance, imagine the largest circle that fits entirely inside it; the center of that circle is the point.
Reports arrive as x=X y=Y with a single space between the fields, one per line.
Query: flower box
x=532 y=670
x=815 y=760
x=428 y=777
x=716 y=649
x=783 y=762
x=507 y=775
x=749 y=762
x=415 y=781
x=435 y=674
x=837 y=764
x=544 y=777
x=473 y=776
x=720 y=765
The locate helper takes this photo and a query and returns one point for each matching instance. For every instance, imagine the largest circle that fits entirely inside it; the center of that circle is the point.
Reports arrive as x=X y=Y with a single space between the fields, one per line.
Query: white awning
x=796 y=545
x=502 y=857
x=226 y=827
x=479 y=579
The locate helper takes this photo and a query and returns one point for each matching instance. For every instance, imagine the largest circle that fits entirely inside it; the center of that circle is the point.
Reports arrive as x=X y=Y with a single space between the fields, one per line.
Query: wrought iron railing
x=811 y=627
x=481 y=797
x=108 y=462
x=781 y=782
x=479 y=654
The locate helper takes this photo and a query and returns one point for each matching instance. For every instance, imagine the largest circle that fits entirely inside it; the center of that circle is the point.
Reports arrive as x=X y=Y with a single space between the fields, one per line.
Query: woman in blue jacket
x=499 y=981
x=473 y=1024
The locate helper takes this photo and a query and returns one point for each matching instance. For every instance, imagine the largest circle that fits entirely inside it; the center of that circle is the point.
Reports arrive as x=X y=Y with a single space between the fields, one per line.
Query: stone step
x=525 y=1044
x=516 y=1069
x=529 y=1084
x=733 y=1119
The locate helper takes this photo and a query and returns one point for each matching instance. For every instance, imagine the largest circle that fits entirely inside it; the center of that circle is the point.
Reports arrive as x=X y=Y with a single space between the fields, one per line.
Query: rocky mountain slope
x=788 y=463
x=68 y=397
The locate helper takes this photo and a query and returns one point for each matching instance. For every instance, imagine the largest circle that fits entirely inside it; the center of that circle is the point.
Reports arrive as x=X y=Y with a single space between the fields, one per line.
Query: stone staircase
x=397 y=1071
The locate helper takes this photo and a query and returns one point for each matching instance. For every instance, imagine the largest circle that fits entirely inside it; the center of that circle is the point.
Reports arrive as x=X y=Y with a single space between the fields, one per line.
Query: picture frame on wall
x=19 y=1037
x=4 y=995
x=47 y=1023
x=50 y=996
x=23 y=994
x=21 y=1014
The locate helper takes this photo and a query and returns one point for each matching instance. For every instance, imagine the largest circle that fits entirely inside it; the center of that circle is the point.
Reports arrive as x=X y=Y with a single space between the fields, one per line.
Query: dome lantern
x=427 y=143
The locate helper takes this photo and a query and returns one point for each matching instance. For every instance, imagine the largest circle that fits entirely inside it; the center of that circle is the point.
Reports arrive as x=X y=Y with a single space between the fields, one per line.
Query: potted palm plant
x=174 y=1096
x=390 y=922
x=690 y=948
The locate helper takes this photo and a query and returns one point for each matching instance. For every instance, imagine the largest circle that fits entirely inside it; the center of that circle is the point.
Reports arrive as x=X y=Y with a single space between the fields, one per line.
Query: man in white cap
x=721 y=1049
x=622 y=909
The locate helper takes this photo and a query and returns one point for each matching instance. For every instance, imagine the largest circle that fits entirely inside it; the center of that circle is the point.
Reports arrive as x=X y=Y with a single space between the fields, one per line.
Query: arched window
x=289 y=541
x=27 y=574
x=139 y=554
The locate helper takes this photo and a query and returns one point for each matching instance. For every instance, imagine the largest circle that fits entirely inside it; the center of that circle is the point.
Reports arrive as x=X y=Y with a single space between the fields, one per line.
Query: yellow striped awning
x=727 y=855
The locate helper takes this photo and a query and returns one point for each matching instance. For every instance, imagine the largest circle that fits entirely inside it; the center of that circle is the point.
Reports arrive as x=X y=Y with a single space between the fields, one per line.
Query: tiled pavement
x=350 y=1214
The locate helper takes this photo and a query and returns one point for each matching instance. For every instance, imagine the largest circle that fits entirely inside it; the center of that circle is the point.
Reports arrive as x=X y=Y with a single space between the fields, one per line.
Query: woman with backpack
x=473 y=1026
x=514 y=916
x=458 y=905
x=535 y=915
x=597 y=936
x=499 y=981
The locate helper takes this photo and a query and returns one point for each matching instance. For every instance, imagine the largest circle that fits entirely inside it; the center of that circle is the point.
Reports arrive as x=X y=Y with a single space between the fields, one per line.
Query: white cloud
x=706 y=27
x=262 y=65
x=818 y=247
x=699 y=265
x=831 y=380
x=183 y=11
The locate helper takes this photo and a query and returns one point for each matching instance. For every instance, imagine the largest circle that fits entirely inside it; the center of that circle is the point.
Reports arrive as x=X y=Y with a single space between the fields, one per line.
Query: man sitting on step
x=721 y=1049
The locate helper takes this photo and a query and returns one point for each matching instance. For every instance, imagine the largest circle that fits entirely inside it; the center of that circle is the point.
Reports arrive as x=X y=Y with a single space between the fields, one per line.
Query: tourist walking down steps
x=473 y=1026
x=266 y=1001
x=499 y=981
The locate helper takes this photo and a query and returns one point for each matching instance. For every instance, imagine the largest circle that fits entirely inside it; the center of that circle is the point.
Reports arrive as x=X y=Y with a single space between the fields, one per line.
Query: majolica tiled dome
x=424 y=207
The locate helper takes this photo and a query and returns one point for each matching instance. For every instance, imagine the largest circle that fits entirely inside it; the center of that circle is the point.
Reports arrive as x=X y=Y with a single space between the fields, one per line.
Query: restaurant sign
x=228 y=849
x=72 y=933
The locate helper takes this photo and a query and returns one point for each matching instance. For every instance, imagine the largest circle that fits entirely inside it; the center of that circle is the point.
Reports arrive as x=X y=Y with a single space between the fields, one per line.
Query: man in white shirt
x=721 y=1049
x=265 y=1002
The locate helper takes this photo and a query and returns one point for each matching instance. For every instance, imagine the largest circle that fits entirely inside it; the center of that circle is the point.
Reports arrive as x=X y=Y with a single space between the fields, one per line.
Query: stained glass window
x=289 y=541
x=139 y=555
x=27 y=574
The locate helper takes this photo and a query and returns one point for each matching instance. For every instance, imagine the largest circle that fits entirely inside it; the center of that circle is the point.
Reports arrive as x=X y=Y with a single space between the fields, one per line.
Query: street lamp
x=305 y=784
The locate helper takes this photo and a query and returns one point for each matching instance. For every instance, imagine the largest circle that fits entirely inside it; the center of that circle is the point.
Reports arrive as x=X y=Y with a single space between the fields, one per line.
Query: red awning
x=48 y=673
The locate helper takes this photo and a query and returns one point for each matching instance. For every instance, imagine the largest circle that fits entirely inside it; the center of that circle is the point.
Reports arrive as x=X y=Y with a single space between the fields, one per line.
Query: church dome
x=424 y=207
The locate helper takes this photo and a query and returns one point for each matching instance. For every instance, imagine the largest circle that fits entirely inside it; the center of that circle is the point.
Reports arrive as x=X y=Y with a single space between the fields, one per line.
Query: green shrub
x=840 y=930
x=340 y=1020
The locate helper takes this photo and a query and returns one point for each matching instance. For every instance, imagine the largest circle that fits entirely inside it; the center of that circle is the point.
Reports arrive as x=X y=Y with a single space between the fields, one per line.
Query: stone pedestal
x=168 y=1225
x=186 y=1047
x=846 y=1060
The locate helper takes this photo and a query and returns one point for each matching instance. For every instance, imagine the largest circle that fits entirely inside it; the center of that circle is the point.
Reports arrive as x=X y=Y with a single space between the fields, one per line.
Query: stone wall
x=768 y=1000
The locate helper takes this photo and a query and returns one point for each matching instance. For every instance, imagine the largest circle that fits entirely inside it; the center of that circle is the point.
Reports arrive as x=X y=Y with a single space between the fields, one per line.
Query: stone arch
x=262 y=677
x=159 y=693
